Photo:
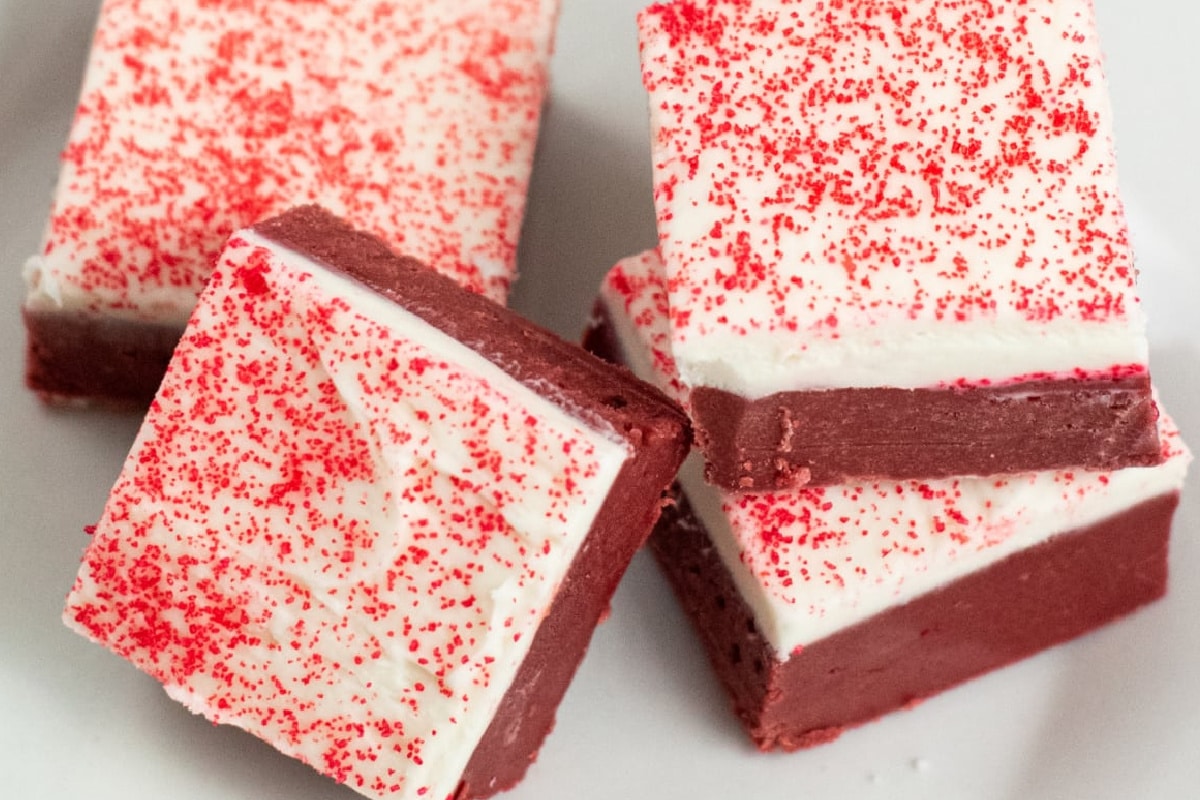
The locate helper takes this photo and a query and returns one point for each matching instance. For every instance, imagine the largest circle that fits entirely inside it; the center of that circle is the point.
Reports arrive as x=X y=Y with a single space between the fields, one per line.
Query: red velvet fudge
x=416 y=120
x=372 y=517
x=825 y=607
x=893 y=240
x=994 y=594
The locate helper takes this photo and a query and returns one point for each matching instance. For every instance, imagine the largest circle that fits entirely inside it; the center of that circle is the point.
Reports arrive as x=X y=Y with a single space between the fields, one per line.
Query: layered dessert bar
x=416 y=120
x=372 y=517
x=824 y=607
x=893 y=239
x=827 y=607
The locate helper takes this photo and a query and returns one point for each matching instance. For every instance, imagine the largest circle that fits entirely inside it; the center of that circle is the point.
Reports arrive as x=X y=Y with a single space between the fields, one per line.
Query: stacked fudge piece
x=895 y=292
x=414 y=120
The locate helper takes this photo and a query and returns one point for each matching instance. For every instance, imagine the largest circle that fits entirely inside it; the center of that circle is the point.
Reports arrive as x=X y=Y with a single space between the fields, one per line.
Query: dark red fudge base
x=790 y=439
x=527 y=711
x=1044 y=595
x=841 y=435
x=655 y=429
x=78 y=357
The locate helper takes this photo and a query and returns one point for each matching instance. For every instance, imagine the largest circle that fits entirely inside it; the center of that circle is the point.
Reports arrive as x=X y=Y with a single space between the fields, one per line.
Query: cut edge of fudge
x=792 y=439
x=654 y=432
x=838 y=435
x=535 y=356
x=81 y=358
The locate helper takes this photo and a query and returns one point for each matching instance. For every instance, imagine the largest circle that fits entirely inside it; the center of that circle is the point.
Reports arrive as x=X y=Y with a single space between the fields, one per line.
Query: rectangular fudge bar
x=893 y=239
x=372 y=517
x=814 y=625
x=825 y=607
x=416 y=120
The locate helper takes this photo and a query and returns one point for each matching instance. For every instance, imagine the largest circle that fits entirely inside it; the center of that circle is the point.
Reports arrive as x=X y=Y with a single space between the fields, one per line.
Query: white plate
x=1113 y=715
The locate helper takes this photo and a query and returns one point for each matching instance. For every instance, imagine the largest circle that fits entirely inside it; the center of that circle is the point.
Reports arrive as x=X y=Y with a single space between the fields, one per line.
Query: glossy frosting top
x=887 y=193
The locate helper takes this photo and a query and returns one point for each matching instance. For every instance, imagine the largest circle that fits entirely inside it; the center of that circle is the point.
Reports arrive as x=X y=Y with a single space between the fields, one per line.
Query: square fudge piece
x=372 y=517
x=893 y=239
x=415 y=120
x=825 y=607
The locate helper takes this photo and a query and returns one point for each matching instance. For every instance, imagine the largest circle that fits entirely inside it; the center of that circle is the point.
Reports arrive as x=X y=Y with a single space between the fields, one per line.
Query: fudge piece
x=827 y=606
x=815 y=625
x=372 y=517
x=893 y=241
x=415 y=120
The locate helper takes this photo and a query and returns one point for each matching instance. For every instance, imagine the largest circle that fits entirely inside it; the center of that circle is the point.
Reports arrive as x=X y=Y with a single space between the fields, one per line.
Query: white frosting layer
x=906 y=194
x=339 y=528
x=412 y=119
x=814 y=561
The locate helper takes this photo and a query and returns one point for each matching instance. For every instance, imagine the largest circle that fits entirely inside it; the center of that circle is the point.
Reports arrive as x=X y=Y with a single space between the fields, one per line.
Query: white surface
x=1114 y=715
